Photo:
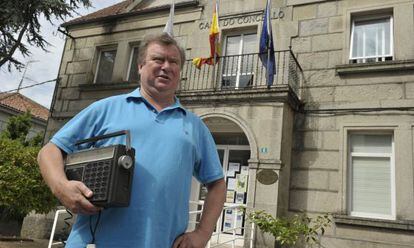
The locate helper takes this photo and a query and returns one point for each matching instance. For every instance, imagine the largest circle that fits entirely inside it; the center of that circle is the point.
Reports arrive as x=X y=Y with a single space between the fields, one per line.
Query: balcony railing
x=240 y=72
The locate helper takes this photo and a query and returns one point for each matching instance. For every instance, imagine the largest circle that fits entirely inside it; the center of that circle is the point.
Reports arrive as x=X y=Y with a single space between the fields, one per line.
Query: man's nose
x=166 y=65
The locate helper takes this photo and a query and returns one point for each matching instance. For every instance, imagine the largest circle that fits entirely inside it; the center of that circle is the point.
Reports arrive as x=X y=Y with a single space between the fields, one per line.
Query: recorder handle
x=106 y=136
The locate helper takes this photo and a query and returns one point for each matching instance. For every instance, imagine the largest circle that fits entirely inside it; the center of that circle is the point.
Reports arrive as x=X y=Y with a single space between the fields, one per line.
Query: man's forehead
x=153 y=47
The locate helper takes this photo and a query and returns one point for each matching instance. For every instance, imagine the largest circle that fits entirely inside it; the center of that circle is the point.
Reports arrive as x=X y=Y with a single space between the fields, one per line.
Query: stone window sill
x=108 y=86
x=301 y=2
x=387 y=66
x=407 y=225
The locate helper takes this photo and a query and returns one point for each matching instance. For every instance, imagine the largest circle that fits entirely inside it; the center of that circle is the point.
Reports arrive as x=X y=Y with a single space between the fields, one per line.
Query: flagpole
x=268 y=65
x=268 y=44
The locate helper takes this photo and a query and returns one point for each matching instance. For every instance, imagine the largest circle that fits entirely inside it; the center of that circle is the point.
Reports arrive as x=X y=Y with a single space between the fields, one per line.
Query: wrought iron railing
x=238 y=72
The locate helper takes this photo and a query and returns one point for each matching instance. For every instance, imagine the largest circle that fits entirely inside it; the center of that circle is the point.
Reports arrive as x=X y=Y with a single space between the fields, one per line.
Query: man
x=171 y=145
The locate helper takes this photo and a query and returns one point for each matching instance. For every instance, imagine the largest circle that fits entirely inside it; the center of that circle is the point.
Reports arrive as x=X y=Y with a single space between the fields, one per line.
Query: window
x=239 y=60
x=105 y=66
x=133 y=75
x=371 y=176
x=371 y=39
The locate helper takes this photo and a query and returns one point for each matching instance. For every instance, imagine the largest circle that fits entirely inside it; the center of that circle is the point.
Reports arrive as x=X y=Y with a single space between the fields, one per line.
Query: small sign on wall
x=263 y=150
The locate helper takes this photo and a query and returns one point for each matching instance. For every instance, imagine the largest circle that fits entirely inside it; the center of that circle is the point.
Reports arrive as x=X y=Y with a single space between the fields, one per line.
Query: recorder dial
x=125 y=161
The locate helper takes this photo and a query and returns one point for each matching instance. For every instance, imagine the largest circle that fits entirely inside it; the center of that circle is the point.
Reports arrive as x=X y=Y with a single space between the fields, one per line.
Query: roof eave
x=133 y=13
x=14 y=111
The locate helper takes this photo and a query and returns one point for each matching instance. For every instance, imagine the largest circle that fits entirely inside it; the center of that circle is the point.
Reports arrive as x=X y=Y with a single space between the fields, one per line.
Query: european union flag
x=266 y=49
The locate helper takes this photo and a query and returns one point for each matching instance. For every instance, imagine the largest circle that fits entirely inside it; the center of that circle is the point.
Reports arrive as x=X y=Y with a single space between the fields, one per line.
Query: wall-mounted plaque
x=267 y=176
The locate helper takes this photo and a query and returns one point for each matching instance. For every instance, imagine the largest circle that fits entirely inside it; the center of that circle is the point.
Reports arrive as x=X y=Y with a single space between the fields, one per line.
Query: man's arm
x=72 y=194
x=213 y=206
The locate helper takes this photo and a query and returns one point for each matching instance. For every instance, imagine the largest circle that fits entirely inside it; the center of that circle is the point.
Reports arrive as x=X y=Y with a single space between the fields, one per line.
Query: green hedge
x=22 y=188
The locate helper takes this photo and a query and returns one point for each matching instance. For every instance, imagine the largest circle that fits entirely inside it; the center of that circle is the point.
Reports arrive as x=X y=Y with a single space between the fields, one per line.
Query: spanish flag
x=215 y=39
x=215 y=42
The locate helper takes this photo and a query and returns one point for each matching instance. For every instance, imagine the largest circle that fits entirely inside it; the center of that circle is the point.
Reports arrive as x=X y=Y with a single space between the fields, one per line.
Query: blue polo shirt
x=171 y=146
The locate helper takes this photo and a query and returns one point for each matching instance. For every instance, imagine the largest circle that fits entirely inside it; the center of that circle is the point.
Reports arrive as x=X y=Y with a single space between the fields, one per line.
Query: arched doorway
x=234 y=152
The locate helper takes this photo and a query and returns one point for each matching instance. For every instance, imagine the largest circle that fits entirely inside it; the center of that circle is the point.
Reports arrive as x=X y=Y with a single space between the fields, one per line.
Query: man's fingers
x=178 y=241
x=83 y=205
x=85 y=190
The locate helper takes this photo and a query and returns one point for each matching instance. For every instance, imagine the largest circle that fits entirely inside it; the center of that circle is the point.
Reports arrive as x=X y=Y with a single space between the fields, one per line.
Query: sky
x=43 y=66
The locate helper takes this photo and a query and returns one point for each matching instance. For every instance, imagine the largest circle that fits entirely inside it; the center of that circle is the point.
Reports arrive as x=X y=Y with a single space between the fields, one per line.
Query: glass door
x=234 y=160
x=239 y=60
x=236 y=171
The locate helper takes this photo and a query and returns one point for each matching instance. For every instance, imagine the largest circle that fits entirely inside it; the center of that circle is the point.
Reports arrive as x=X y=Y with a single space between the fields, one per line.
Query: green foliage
x=36 y=140
x=18 y=127
x=288 y=231
x=19 y=21
x=21 y=185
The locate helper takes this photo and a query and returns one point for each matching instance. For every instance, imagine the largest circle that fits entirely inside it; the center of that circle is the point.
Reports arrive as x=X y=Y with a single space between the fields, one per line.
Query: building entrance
x=234 y=152
x=233 y=159
x=236 y=172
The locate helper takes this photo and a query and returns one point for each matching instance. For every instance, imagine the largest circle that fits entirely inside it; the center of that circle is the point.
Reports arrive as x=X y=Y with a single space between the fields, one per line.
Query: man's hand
x=194 y=239
x=74 y=196
x=213 y=206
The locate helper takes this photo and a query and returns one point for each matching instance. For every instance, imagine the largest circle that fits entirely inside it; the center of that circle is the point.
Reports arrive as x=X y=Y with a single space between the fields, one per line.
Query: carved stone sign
x=248 y=18
x=267 y=176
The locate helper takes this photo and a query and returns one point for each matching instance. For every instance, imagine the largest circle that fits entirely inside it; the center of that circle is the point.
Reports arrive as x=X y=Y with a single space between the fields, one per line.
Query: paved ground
x=37 y=243
x=42 y=243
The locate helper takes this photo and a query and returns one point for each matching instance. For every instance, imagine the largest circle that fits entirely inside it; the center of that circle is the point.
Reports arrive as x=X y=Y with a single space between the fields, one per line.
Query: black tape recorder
x=107 y=171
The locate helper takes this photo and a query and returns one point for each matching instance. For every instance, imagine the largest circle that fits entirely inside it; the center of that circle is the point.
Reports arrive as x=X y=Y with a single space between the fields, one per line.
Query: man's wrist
x=204 y=233
x=57 y=187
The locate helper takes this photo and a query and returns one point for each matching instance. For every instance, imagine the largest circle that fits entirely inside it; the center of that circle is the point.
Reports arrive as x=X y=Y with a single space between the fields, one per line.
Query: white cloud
x=46 y=64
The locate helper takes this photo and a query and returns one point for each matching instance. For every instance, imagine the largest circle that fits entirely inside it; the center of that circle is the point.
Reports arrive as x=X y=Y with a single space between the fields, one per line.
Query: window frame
x=372 y=17
x=239 y=65
x=100 y=50
x=349 y=178
x=131 y=56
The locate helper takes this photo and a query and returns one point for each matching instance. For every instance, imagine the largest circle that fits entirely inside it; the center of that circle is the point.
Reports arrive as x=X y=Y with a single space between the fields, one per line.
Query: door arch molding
x=237 y=120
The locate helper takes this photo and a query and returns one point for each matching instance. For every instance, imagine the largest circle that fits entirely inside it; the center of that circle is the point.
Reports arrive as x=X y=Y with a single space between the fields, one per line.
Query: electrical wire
x=351 y=111
x=30 y=86
x=93 y=231
x=66 y=220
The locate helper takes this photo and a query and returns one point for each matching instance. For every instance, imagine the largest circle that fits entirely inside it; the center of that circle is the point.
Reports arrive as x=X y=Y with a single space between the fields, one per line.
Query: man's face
x=160 y=70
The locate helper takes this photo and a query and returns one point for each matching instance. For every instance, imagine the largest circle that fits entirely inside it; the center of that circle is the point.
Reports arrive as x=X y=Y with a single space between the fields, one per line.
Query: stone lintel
x=275 y=94
x=273 y=164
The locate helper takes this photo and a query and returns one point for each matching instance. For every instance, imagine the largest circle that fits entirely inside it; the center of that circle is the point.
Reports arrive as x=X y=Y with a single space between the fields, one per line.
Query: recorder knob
x=125 y=161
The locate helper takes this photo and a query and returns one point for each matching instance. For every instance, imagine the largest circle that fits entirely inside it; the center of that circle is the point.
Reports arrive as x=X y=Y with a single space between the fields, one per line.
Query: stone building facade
x=335 y=131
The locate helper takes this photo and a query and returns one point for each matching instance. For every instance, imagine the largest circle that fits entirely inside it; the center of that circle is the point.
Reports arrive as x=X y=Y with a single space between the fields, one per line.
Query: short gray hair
x=162 y=39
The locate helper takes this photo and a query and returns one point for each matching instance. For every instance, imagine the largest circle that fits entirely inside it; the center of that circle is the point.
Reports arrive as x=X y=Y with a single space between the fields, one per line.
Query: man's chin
x=164 y=84
x=165 y=88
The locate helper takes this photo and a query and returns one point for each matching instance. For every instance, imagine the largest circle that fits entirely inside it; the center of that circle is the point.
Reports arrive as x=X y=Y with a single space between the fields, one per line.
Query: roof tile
x=21 y=103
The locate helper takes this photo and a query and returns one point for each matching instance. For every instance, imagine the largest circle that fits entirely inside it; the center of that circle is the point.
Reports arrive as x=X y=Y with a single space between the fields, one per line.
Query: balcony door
x=238 y=60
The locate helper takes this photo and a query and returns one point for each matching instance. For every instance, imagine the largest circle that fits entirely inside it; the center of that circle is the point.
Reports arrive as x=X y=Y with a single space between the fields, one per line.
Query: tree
x=19 y=23
x=21 y=185
x=18 y=127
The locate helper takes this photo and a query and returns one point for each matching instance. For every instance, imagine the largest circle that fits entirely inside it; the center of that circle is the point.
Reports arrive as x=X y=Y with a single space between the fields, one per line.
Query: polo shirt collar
x=137 y=95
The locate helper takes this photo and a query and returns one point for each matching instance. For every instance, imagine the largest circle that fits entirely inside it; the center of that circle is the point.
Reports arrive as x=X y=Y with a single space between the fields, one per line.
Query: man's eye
x=158 y=60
